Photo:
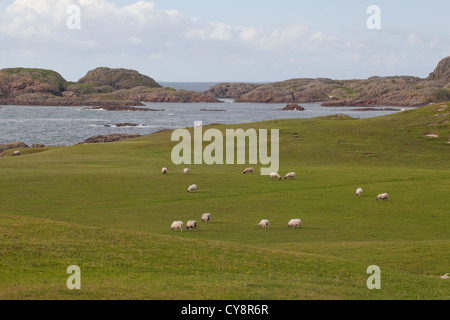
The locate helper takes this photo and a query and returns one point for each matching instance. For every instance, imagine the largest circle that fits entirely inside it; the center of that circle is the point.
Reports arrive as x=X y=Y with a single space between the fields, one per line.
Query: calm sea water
x=71 y=125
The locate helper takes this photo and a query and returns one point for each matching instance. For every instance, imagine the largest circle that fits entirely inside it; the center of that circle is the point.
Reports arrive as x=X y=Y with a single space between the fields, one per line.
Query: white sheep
x=290 y=175
x=192 y=188
x=359 y=191
x=275 y=175
x=164 y=170
x=206 y=217
x=191 y=225
x=382 y=196
x=248 y=170
x=264 y=224
x=16 y=153
x=403 y=110
x=186 y=170
x=177 y=225
x=295 y=223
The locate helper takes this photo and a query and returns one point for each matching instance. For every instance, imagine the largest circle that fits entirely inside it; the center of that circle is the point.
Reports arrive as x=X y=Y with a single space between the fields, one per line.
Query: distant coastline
x=105 y=87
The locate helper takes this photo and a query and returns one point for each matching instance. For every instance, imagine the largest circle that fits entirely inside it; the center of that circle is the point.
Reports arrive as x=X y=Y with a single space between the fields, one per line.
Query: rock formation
x=231 y=90
x=100 y=87
x=123 y=88
x=15 y=145
x=116 y=79
x=293 y=107
x=442 y=71
x=109 y=138
x=388 y=91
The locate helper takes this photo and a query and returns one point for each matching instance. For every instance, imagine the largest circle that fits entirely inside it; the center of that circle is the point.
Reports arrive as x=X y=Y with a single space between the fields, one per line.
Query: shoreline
x=141 y=125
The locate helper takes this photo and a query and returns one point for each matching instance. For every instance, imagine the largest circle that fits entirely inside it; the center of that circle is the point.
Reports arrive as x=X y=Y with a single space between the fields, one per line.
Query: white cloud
x=208 y=31
x=413 y=38
x=135 y=40
x=248 y=34
x=103 y=20
x=319 y=36
x=168 y=45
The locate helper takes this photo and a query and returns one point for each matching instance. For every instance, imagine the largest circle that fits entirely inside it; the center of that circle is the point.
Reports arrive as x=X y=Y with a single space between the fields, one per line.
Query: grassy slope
x=108 y=209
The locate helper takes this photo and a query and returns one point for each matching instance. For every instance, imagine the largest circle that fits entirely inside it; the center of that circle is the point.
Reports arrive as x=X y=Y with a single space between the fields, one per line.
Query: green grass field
x=108 y=209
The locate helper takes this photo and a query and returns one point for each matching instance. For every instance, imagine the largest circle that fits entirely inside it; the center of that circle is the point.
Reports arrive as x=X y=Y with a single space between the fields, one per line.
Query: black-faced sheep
x=275 y=175
x=290 y=175
x=191 y=225
x=192 y=188
x=206 y=217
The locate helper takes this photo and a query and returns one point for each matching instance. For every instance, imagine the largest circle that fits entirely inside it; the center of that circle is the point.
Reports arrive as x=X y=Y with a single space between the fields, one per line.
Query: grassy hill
x=107 y=208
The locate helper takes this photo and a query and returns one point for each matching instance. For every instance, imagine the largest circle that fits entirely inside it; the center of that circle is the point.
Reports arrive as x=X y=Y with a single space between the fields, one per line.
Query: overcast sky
x=209 y=40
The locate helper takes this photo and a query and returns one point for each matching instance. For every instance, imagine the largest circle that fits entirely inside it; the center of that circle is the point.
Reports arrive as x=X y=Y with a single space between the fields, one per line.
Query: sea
x=58 y=126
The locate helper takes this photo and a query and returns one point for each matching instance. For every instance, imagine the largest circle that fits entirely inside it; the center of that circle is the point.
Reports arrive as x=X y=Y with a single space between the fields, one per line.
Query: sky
x=227 y=41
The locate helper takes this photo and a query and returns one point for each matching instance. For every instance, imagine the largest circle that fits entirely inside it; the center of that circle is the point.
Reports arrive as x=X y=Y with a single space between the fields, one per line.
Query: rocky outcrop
x=38 y=145
x=126 y=124
x=109 y=138
x=15 y=82
x=117 y=79
x=105 y=87
x=100 y=87
x=393 y=91
x=146 y=94
x=15 y=145
x=292 y=91
x=293 y=107
x=375 y=91
x=231 y=90
x=442 y=71
x=47 y=99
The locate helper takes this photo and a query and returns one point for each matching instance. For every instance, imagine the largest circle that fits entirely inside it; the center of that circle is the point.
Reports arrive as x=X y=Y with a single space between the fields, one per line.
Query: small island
x=293 y=107
x=110 y=89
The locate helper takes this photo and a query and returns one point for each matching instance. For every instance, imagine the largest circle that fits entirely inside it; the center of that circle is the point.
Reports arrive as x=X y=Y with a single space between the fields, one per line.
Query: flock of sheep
x=190 y=225
x=264 y=224
x=381 y=196
x=273 y=175
x=206 y=217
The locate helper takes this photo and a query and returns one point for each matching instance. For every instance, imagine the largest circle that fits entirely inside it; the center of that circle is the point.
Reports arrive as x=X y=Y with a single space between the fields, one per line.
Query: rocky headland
x=101 y=87
x=374 y=91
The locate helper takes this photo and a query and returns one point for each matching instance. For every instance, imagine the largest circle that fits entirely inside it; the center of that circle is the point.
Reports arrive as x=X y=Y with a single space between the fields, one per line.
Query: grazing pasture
x=108 y=209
